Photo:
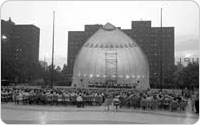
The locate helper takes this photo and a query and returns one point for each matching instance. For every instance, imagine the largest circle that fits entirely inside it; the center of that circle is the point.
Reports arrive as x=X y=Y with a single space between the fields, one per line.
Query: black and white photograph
x=100 y=62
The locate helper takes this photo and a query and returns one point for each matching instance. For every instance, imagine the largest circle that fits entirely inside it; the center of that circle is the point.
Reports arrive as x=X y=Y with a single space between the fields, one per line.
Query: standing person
x=197 y=103
x=79 y=100
x=60 y=98
x=116 y=102
x=66 y=98
x=193 y=98
x=19 y=97
x=83 y=100
x=14 y=95
x=108 y=101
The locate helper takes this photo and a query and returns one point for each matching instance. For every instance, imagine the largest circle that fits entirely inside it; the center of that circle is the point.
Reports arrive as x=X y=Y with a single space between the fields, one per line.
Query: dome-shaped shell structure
x=111 y=54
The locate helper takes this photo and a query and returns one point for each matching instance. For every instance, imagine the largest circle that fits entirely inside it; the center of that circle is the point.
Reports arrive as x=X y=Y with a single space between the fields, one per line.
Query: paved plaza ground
x=28 y=114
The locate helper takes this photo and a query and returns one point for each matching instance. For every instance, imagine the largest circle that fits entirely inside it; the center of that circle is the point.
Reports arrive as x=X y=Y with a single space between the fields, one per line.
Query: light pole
x=161 y=49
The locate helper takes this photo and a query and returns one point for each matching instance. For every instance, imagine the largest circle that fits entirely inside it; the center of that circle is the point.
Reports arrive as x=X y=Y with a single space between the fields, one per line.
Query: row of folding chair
x=163 y=105
x=42 y=99
x=6 y=97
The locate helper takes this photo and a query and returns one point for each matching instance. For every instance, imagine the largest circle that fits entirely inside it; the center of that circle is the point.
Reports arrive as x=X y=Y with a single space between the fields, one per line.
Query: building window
x=134 y=44
x=106 y=46
x=111 y=46
x=130 y=45
x=101 y=45
x=125 y=45
x=121 y=46
x=87 y=44
x=91 y=45
x=96 y=45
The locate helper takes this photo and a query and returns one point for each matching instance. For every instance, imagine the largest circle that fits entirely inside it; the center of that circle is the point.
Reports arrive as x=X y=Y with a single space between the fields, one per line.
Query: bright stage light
x=91 y=75
x=127 y=76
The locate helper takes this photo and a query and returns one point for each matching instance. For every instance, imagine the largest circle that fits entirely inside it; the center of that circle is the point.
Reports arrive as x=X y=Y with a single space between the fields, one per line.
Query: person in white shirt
x=79 y=100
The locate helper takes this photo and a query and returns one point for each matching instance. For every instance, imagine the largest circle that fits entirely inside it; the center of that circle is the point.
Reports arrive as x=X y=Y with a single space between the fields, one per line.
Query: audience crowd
x=145 y=100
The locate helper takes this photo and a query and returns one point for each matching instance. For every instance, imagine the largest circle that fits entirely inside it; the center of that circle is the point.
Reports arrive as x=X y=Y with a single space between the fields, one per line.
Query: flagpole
x=52 y=59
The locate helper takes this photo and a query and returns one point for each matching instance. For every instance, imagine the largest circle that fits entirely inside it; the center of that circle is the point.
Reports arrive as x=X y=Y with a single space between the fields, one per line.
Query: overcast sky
x=73 y=15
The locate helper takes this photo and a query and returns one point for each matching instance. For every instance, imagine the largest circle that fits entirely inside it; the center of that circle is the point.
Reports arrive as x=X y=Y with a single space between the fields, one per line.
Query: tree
x=189 y=77
x=169 y=77
x=182 y=77
x=58 y=69
x=58 y=75
x=20 y=70
x=64 y=70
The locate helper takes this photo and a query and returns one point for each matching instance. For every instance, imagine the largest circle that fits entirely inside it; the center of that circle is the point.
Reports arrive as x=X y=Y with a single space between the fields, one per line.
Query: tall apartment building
x=19 y=43
x=148 y=38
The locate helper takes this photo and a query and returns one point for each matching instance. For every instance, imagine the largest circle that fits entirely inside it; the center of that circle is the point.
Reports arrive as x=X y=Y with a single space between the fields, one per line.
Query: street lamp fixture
x=4 y=37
